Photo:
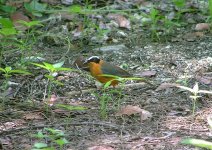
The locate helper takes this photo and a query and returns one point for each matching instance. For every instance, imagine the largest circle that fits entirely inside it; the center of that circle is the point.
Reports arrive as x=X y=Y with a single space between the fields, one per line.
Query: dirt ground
x=171 y=108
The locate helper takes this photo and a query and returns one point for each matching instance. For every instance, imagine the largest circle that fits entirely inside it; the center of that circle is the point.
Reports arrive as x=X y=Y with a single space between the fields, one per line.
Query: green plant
x=107 y=94
x=210 y=8
x=6 y=8
x=199 y=142
x=7 y=32
x=169 y=25
x=103 y=101
x=8 y=72
x=70 y=108
x=153 y=23
x=195 y=91
x=35 y=8
x=54 y=136
x=52 y=69
x=180 y=4
x=25 y=43
x=7 y=28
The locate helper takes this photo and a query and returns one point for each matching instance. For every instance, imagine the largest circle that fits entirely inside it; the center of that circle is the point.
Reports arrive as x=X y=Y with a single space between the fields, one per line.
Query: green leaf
x=197 y=143
x=49 y=66
x=31 y=23
x=58 y=65
x=6 y=23
x=107 y=84
x=179 y=3
x=39 y=135
x=55 y=132
x=20 y=72
x=35 y=8
x=40 y=65
x=69 y=107
x=61 y=141
x=58 y=82
x=2 y=1
x=8 y=31
x=8 y=69
x=63 y=69
x=49 y=77
x=210 y=7
x=75 y=9
x=8 y=9
x=3 y=70
x=40 y=145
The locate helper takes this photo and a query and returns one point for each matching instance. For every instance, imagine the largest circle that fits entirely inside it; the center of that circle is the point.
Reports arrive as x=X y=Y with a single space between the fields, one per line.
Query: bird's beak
x=85 y=62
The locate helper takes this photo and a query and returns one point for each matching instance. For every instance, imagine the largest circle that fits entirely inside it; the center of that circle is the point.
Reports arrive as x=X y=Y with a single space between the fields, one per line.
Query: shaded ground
x=185 y=61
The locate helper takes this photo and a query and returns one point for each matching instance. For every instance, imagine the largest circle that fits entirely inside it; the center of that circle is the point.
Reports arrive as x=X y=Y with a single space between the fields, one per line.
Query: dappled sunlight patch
x=196 y=125
x=12 y=124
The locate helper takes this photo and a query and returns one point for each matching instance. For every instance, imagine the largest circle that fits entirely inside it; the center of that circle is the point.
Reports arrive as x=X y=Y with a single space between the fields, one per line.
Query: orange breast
x=96 y=71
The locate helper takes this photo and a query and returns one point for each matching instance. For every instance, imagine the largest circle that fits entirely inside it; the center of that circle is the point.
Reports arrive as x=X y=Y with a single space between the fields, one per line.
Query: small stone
x=202 y=26
x=111 y=48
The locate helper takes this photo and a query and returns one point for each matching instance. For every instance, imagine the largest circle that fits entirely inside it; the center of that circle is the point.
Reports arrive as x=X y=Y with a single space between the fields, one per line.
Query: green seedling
x=106 y=96
x=54 y=136
x=52 y=69
x=199 y=142
x=154 y=18
x=70 y=108
x=195 y=91
x=8 y=72
x=104 y=100
x=169 y=25
x=25 y=44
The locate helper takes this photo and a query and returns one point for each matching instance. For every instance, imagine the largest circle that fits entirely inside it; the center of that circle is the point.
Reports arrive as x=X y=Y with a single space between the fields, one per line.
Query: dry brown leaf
x=148 y=73
x=199 y=34
x=52 y=100
x=145 y=115
x=202 y=26
x=164 y=86
x=17 y=16
x=129 y=110
x=205 y=80
x=32 y=116
x=193 y=36
x=121 y=20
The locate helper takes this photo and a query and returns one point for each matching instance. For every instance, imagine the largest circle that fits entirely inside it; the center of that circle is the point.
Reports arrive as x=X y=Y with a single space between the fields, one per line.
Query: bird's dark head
x=94 y=59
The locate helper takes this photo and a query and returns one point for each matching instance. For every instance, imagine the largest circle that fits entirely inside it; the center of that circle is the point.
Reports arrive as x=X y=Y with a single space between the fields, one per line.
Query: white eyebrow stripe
x=93 y=57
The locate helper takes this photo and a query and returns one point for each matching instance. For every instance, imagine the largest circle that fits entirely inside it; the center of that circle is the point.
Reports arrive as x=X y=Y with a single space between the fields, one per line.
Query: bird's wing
x=110 y=69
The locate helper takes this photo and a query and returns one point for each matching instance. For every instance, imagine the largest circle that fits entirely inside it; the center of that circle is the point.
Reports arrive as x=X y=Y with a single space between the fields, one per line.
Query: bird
x=98 y=68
